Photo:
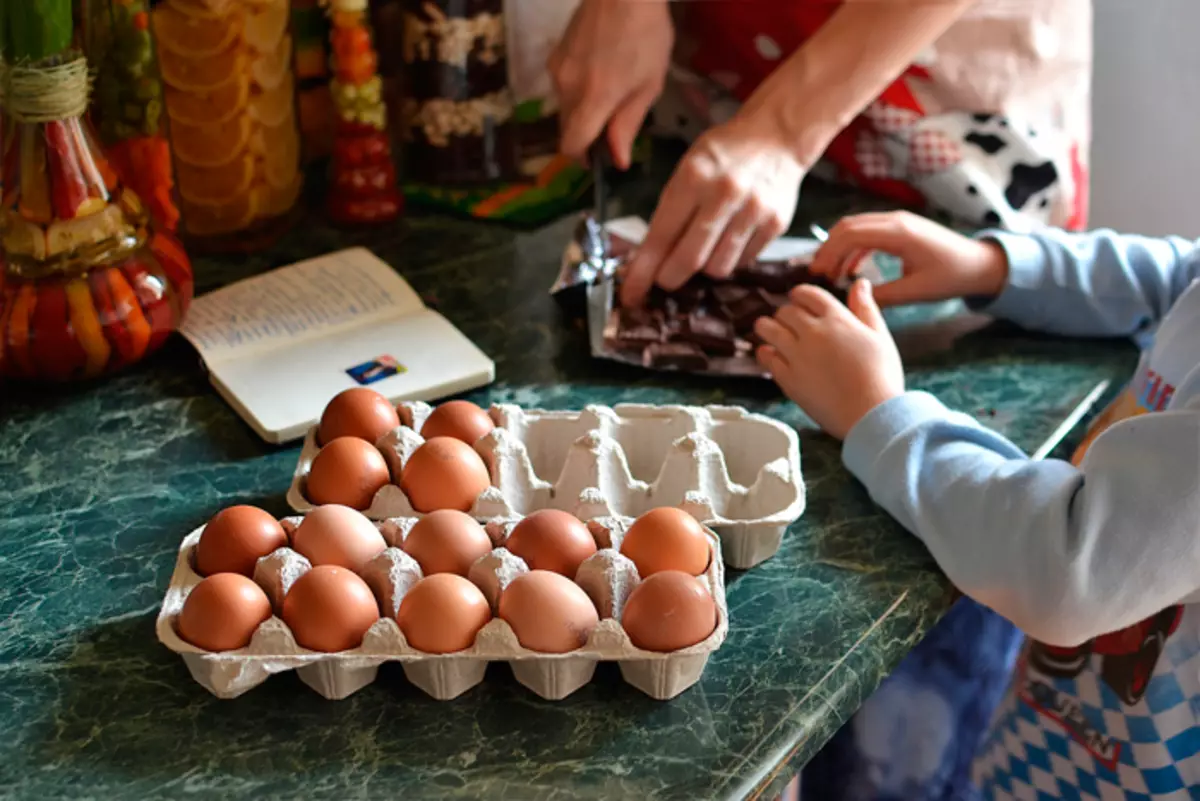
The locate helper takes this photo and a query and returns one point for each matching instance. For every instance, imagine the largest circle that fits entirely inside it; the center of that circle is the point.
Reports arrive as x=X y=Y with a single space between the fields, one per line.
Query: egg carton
x=741 y=470
x=607 y=577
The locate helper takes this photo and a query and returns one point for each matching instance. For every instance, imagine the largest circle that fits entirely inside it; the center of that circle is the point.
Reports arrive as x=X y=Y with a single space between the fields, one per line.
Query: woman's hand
x=836 y=362
x=734 y=192
x=939 y=264
x=608 y=70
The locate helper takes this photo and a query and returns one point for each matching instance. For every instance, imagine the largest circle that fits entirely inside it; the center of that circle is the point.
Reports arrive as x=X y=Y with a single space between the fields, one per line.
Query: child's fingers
x=887 y=232
x=813 y=299
x=797 y=320
x=774 y=333
x=771 y=359
x=863 y=305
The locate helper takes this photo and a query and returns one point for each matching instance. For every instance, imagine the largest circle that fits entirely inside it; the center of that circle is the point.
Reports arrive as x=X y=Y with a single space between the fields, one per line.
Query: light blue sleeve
x=1094 y=284
x=1065 y=553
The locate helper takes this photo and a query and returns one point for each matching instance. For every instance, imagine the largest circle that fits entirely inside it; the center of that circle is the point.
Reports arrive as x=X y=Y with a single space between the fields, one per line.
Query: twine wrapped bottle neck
x=55 y=89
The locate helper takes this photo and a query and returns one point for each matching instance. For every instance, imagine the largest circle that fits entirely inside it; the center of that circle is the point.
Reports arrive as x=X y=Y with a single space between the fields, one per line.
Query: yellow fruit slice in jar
x=279 y=201
x=210 y=145
x=204 y=74
x=276 y=106
x=210 y=219
x=266 y=26
x=193 y=36
x=208 y=108
x=215 y=185
x=269 y=69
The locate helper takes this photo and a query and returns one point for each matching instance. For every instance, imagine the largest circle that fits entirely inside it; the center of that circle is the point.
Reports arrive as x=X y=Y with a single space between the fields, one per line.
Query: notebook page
x=298 y=303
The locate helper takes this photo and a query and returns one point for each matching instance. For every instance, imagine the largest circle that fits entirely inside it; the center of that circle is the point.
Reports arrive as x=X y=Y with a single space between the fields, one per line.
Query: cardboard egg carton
x=740 y=470
x=607 y=577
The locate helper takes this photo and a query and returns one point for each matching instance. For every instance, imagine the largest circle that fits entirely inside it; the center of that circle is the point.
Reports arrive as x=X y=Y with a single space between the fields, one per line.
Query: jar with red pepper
x=363 y=175
x=88 y=284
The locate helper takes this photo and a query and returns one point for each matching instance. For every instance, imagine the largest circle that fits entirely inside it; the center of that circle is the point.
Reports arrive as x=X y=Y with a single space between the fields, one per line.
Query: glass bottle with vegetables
x=88 y=284
x=127 y=103
x=363 y=175
x=230 y=100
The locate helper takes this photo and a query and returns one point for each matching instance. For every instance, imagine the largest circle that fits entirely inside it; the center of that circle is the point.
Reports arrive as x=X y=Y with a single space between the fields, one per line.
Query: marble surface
x=99 y=483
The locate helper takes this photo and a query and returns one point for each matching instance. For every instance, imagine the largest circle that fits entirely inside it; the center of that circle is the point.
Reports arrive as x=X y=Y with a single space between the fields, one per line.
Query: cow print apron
x=991 y=127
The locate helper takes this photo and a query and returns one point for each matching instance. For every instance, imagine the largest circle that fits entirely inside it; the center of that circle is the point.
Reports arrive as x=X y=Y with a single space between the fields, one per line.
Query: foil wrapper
x=587 y=285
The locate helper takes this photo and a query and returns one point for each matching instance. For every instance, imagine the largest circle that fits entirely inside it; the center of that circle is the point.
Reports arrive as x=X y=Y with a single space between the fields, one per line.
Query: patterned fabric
x=1076 y=736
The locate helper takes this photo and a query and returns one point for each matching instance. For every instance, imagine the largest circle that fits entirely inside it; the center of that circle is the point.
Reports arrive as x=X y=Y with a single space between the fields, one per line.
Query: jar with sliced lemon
x=88 y=283
x=230 y=101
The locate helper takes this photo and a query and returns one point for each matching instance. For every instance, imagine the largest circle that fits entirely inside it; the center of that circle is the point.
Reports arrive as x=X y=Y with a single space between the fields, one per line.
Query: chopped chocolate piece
x=678 y=355
x=713 y=334
x=774 y=276
x=638 y=328
x=744 y=313
x=691 y=295
x=727 y=294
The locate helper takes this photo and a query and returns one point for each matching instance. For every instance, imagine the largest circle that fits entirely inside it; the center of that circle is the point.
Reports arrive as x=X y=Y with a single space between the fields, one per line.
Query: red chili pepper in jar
x=68 y=191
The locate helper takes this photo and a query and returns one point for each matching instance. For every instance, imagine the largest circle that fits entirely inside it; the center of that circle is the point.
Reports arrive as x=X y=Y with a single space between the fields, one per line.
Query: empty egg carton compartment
x=607 y=577
x=741 y=470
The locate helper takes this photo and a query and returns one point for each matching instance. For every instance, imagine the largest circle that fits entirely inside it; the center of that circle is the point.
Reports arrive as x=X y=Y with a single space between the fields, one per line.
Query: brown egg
x=347 y=471
x=358 y=412
x=550 y=539
x=222 y=612
x=235 y=539
x=442 y=614
x=667 y=539
x=447 y=541
x=548 y=612
x=338 y=535
x=330 y=609
x=668 y=611
x=459 y=419
x=444 y=473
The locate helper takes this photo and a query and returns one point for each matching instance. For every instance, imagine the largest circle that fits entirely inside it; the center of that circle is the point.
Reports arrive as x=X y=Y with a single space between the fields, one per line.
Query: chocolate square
x=745 y=312
x=677 y=355
x=638 y=328
x=714 y=334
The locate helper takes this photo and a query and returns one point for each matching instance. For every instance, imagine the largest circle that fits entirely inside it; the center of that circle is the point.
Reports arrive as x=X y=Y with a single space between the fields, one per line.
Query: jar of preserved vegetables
x=459 y=111
x=127 y=102
x=88 y=283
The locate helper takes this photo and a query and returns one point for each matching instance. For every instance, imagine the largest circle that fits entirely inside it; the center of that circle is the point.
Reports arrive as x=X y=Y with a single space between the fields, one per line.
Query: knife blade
x=599 y=157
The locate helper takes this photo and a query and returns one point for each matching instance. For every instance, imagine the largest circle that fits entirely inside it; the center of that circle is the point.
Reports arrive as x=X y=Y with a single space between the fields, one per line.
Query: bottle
x=362 y=187
x=460 y=129
x=230 y=101
x=88 y=283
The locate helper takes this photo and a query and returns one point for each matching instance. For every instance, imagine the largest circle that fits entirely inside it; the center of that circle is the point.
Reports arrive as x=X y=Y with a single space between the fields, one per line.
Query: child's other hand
x=939 y=264
x=836 y=363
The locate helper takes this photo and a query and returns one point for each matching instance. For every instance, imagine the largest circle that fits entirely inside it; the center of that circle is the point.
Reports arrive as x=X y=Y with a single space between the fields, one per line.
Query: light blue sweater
x=1066 y=553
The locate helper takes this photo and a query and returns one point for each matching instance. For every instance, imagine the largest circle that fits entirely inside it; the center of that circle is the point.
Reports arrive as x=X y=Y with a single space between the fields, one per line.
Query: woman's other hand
x=734 y=191
x=608 y=70
x=938 y=264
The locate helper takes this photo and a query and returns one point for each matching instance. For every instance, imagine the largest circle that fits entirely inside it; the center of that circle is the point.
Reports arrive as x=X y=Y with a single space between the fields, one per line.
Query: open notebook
x=278 y=346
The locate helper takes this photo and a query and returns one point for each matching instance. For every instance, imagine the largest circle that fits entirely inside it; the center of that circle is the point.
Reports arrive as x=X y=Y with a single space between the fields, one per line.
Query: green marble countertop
x=98 y=484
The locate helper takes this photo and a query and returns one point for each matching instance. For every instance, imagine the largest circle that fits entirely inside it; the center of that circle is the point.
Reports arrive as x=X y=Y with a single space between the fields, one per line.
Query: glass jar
x=230 y=101
x=127 y=102
x=362 y=187
x=87 y=284
x=459 y=112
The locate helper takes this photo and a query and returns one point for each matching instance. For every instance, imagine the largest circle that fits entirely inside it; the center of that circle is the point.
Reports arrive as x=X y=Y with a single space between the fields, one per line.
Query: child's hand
x=836 y=363
x=939 y=264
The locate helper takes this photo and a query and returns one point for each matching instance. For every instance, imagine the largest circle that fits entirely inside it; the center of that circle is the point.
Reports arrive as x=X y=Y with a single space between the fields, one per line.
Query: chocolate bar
x=638 y=328
x=773 y=276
